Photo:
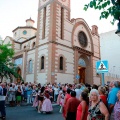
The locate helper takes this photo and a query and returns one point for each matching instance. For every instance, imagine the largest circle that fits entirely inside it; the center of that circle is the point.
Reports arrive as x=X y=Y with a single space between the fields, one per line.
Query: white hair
x=94 y=90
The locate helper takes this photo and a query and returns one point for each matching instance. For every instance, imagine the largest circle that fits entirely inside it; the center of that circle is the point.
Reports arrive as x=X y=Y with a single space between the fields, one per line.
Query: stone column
x=37 y=46
x=24 y=66
x=91 y=70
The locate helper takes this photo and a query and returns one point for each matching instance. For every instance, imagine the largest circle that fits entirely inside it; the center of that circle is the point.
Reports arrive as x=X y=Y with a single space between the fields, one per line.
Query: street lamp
x=113 y=68
x=113 y=72
x=118 y=30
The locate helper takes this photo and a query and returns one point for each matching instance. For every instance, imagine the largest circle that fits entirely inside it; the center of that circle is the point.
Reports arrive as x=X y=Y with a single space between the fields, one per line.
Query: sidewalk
x=30 y=104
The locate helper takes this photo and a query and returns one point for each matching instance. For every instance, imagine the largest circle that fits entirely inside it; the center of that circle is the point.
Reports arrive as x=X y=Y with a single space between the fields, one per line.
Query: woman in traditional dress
x=47 y=105
x=40 y=100
x=62 y=96
x=59 y=96
x=35 y=102
x=50 y=93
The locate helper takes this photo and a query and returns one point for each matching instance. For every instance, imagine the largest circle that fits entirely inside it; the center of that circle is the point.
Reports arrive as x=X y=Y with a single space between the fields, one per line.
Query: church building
x=60 y=49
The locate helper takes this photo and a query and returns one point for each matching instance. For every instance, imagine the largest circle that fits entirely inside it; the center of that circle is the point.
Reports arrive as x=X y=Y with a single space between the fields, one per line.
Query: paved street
x=29 y=113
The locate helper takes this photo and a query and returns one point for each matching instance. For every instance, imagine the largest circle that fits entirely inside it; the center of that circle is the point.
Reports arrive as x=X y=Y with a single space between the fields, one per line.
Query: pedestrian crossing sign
x=102 y=66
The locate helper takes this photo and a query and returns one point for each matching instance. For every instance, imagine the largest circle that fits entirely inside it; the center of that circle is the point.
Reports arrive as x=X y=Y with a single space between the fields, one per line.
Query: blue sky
x=13 y=13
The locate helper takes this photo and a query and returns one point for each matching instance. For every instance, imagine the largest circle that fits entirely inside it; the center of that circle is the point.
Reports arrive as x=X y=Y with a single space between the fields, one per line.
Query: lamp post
x=118 y=30
x=113 y=72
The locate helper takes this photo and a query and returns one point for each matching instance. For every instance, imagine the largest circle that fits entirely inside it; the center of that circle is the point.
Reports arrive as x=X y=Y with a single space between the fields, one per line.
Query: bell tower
x=52 y=15
x=52 y=18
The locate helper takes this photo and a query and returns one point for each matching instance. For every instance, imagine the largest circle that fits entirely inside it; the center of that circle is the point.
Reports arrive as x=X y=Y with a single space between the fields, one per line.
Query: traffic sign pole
x=103 y=81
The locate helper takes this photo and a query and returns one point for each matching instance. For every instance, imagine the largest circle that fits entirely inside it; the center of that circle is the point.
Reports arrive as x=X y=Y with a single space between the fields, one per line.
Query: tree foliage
x=7 y=68
x=107 y=7
x=6 y=53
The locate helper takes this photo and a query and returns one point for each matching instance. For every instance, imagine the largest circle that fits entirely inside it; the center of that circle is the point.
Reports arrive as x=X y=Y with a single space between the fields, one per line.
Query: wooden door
x=82 y=74
x=19 y=72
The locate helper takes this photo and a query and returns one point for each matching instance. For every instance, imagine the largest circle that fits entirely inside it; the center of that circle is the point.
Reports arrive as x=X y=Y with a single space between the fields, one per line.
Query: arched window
x=33 y=45
x=81 y=62
x=30 y=66
x=61 y=63
x=42 y=62
x=82 y=39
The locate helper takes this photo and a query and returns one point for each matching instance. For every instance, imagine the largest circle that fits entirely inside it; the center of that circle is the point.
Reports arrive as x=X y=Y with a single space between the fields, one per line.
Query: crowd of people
x=76 y=101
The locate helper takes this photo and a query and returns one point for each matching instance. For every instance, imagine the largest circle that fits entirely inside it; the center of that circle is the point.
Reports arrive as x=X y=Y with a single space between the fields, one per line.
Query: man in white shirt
x=56 y=92
x=78 y=91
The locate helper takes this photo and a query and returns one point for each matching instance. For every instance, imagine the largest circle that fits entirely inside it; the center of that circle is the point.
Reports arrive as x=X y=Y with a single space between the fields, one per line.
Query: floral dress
x=94 y=112
x=117 y=111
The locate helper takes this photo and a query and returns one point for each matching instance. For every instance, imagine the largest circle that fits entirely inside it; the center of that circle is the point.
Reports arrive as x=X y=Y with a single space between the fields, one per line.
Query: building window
x=24 y=32
x=62 y=18
x=30 y=66
x=81 y=62
x=33 y=45
x=61 y=63
x=42 y=62
x=82 y=39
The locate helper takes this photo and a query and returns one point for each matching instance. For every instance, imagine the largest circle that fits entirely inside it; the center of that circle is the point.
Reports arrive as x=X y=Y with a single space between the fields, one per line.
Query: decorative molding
x=26 y=27
x=19 y=56
x=77 y=23
x=83 y=51
x=50 y=2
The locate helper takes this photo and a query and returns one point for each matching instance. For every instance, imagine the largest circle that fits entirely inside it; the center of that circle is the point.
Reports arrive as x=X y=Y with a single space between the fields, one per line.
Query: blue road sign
x=102 y=66
x=77 y=77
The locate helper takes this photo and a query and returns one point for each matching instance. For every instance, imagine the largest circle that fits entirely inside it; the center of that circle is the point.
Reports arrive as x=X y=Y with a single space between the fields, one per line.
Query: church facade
x=60 y=49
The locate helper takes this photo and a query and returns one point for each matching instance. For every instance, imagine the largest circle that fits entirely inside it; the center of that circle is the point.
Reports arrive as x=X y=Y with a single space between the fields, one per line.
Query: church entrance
x=81 y=70
x=81 y=73
x=18 y=72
